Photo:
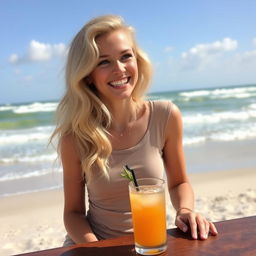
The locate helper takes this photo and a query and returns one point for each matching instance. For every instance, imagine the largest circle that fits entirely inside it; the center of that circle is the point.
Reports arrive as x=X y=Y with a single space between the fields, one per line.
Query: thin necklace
x=127 y=128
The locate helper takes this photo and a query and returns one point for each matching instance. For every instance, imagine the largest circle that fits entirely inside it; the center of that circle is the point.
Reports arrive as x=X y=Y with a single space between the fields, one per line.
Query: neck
x=123 y=113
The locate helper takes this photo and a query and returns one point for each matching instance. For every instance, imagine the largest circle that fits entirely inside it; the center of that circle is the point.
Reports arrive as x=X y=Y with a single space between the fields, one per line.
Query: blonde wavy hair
x=81 y=113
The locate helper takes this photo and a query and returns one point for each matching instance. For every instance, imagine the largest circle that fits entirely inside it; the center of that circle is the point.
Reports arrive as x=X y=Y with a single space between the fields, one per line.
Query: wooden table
x=236 y=237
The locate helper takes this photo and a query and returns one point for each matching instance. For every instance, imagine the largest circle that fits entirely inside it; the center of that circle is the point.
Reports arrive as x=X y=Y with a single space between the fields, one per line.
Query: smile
x=120 y=83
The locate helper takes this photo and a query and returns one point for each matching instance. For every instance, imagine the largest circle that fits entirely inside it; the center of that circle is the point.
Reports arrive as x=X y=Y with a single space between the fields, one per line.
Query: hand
x=197 y=223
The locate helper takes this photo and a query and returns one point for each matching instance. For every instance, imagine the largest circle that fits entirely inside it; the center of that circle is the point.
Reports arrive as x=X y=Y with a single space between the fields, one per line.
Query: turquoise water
x=209 y=115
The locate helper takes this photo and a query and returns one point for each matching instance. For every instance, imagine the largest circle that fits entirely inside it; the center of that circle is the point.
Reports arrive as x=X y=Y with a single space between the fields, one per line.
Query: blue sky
x=192 y=44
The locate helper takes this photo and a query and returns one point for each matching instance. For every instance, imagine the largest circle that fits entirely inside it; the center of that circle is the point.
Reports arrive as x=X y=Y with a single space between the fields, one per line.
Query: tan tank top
x=109 y=211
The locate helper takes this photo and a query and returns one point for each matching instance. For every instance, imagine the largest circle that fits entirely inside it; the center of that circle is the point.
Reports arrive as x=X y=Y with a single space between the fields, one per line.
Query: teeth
x=120 y=82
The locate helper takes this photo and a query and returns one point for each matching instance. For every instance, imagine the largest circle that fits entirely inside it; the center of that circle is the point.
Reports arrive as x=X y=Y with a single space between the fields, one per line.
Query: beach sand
x=31 y=222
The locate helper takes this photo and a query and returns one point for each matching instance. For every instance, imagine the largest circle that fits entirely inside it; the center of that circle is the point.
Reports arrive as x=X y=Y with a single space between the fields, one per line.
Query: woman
x=104 y=123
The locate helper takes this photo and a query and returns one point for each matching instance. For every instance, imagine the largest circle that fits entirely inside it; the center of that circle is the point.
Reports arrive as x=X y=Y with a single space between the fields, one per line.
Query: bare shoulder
x=175 y=111
x=68 y=149
x=174 y=126
x=176 y=117
x=67 y=141
x=69 y=153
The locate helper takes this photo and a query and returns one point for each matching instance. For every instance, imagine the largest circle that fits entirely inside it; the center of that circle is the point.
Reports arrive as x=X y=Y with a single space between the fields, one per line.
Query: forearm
x=182 y=195
x=78 y=228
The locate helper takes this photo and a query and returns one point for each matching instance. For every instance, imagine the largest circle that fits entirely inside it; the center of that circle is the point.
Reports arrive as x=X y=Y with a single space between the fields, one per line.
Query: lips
x=119 y=83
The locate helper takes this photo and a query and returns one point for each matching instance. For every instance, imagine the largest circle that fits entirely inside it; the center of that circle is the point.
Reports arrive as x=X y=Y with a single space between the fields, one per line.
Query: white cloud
x=214 y=64
x=200 y=55
x=38 y=51
x=202 y=50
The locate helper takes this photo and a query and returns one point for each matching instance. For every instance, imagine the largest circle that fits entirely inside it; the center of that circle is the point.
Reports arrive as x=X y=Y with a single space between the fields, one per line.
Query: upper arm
x=74 y=186
x=173 y=149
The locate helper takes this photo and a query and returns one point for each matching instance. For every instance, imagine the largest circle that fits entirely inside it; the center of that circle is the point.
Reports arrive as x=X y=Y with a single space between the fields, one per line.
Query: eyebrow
x=122 y=52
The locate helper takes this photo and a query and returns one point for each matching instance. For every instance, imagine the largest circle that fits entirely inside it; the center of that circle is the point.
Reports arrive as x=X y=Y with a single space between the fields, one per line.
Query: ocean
x=28 y=164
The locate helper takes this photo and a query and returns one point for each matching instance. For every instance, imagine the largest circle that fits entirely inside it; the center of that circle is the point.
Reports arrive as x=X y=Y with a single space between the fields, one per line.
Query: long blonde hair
x=80 y=112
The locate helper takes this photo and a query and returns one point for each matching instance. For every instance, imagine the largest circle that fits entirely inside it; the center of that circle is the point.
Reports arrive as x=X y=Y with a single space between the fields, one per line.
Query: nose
x=118 y=67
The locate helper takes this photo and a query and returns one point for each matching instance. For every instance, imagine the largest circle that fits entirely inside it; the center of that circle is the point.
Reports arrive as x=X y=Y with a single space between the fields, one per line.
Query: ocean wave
x=244 y=133
x=31 y=108
x=195 y=93
x=36 y=107
x=36 y=173
x=239 y=92
x=29 y=159
x=6 y=108
x=237 y=134
x=214 y=118
x=22 y=136
x=252 y=106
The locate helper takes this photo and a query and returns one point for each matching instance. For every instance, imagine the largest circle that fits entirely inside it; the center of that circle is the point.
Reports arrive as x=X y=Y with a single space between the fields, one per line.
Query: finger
x=181 y=224
x=207 y=228
x=201 y=222
x=213 y=229
x=193 y=226
x=204 y=233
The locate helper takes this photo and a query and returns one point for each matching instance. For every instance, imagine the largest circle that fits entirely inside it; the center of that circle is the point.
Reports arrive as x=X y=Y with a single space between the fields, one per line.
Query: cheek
x=97 y=77
x=134 y=68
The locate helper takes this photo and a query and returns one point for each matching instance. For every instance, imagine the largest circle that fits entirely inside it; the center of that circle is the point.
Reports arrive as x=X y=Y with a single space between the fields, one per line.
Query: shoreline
x=220 y=195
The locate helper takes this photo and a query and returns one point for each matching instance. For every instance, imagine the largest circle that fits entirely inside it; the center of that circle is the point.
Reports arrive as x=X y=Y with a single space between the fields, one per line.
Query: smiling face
x=116 y=73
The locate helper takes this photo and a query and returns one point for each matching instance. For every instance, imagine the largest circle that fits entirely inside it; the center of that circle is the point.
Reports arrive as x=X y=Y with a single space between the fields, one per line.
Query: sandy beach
x=33 y=221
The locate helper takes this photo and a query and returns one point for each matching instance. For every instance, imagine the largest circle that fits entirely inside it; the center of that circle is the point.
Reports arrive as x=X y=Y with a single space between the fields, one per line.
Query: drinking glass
x=149 y=215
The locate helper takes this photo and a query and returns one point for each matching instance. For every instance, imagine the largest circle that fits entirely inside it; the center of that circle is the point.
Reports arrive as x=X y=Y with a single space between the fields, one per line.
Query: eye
x=103 y=62
x=126 y=56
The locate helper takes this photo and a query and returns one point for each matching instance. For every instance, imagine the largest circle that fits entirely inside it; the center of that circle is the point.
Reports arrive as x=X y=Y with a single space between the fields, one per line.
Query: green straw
x=134 y=177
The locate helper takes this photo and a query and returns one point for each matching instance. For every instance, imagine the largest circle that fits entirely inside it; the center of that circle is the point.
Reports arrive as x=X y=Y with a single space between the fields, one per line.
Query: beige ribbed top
x=109 y=211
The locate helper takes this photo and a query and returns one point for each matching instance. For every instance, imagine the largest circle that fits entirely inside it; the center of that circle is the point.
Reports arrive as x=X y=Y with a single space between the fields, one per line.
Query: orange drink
x=148 y=215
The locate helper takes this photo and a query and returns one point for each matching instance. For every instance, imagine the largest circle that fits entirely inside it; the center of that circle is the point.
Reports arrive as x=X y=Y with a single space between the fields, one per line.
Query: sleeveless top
x=109 y=211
